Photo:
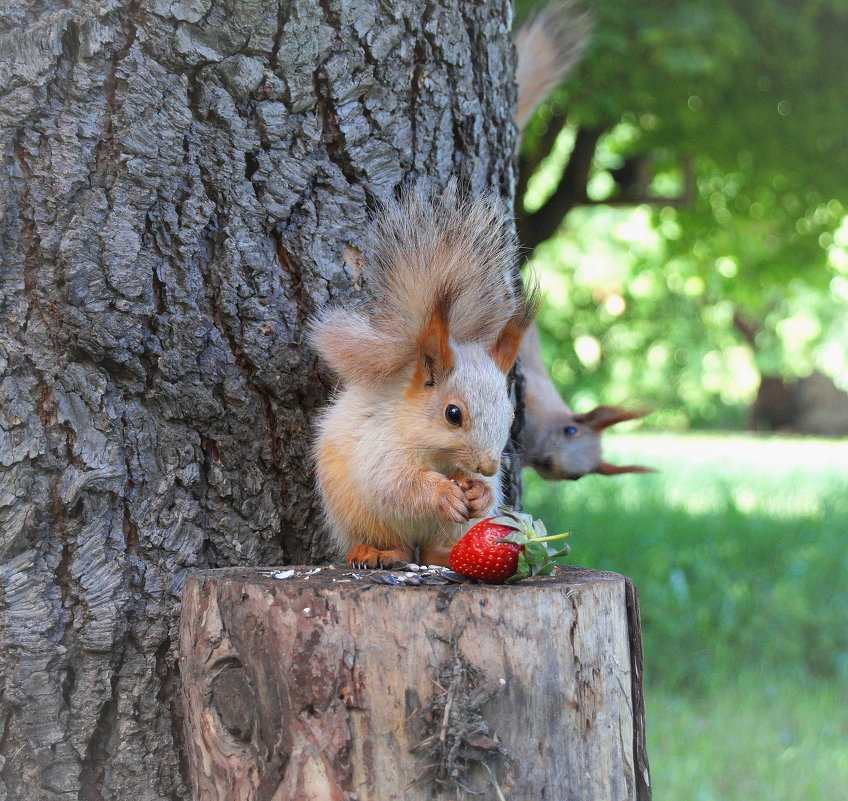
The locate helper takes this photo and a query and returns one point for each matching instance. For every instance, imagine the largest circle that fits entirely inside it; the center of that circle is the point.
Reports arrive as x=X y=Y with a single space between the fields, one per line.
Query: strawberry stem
x=552 y=537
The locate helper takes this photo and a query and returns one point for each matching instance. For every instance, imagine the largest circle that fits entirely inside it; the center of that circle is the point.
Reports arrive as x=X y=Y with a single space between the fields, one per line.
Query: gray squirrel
x=556 y=443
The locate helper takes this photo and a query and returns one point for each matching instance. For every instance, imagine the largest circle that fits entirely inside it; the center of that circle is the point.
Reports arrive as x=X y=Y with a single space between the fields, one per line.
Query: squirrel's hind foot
x=368 y=558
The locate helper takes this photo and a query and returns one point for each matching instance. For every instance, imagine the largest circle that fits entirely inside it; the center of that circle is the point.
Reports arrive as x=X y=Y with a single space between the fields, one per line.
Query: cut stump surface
x=330 y=687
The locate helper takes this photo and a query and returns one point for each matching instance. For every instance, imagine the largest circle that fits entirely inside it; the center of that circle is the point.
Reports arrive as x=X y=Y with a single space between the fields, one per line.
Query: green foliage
x=725 y=143
x=628 y=327
x=538 y=555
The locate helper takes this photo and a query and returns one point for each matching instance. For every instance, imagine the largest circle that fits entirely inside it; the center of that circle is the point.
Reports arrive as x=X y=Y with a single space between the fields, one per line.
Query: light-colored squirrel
x=556 y=442
x=409 y=450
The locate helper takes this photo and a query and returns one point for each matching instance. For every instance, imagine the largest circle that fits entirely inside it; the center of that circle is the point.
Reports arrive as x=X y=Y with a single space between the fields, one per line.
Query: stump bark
x=335 y=687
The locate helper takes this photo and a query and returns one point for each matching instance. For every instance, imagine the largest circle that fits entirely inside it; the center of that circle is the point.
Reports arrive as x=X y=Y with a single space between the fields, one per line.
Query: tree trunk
x=180 y=181
x=327 y=686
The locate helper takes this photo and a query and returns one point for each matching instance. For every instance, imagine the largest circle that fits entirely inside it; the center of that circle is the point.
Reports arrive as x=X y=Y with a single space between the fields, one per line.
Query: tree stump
x=333 y=687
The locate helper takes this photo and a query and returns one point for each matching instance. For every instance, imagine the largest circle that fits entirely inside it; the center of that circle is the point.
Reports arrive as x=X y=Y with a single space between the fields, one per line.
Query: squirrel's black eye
x=453 y=414
x=569 y=431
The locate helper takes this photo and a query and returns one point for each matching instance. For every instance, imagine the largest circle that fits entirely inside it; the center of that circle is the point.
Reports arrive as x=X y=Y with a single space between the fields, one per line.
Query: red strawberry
x=482 y=553
x=507 y=547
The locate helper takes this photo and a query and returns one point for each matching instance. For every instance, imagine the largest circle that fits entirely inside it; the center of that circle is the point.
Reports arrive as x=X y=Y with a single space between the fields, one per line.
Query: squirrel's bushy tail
x=549 y=46
x=425 y=252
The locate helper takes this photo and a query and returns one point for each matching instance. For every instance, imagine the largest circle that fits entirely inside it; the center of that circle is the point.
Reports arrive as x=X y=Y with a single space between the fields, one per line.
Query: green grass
x=738 y=548
x=750 y=740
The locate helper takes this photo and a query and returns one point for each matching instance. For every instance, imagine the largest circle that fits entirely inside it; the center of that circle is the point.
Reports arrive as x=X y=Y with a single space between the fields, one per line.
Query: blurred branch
x=632 y=180
x=748 y=330
x=635 y=192
x=536 y=227
x=544 y=145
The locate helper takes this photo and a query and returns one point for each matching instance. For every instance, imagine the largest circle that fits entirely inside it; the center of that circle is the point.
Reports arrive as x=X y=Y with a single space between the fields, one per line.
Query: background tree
x=704 y=141
x=180 y=181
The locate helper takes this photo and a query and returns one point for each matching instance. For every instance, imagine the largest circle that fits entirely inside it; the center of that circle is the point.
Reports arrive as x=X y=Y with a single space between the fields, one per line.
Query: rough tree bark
x=180 y=179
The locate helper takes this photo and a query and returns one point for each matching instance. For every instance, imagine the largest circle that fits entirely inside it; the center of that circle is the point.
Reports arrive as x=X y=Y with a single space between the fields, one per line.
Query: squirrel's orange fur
x=409 y=450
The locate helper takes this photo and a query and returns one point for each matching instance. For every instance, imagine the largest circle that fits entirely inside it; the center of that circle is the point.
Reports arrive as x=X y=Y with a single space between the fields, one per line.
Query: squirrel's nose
x=488 y=466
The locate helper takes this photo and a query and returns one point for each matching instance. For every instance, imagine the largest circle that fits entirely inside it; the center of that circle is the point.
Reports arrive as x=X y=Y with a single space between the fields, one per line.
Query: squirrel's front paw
x=479 y=496
x=450 y=502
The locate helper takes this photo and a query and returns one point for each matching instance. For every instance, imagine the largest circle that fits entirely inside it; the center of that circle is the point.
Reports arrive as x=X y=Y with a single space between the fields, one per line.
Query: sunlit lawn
x=739 y=550
x=750 y=738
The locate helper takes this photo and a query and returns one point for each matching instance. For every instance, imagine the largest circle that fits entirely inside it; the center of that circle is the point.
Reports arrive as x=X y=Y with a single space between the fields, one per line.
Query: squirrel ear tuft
x=352 y=348
x=505 y=350
x=602 y=417
x=435 y=356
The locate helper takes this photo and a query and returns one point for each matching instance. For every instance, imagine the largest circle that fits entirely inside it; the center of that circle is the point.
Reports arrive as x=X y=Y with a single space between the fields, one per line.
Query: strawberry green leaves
x=540 y=556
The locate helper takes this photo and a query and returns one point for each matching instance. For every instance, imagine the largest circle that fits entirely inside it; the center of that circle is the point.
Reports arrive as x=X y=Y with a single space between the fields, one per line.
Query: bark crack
x=415 y=84
x=5 y=772
x=289 y=267
x=167 y=669
x=104 y=160
x=332 y=136
x=30 y=240
x=93 y=766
